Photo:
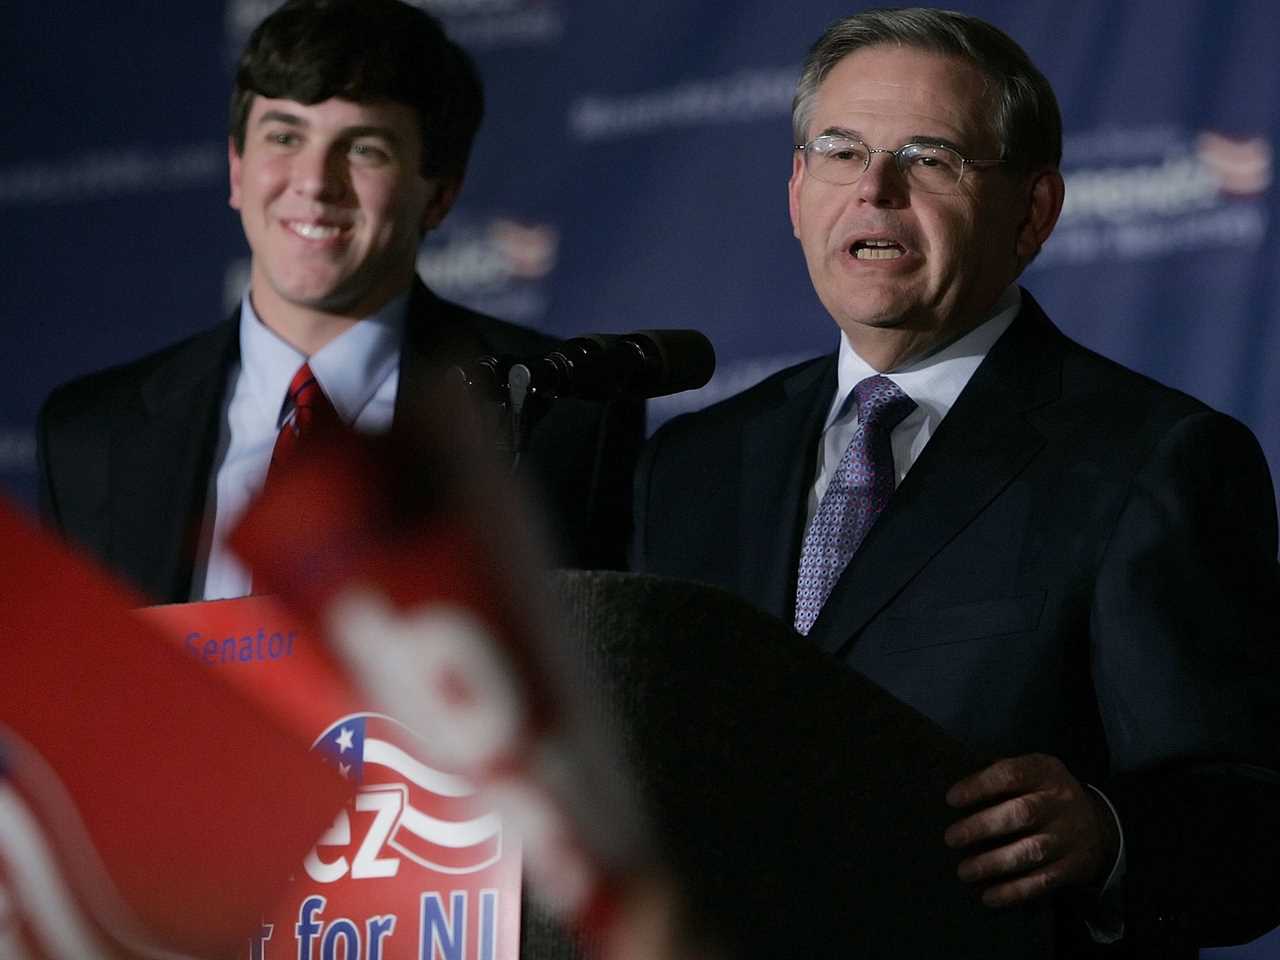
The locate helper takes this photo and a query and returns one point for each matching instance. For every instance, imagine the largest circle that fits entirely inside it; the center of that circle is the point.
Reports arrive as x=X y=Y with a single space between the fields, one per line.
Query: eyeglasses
x=927 y=166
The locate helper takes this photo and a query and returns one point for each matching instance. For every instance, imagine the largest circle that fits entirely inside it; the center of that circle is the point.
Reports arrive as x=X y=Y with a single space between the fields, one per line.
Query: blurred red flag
x=152 y=781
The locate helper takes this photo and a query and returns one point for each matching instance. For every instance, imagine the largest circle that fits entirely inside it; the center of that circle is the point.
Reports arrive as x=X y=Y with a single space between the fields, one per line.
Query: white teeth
x=314 y=231
x=877 y=252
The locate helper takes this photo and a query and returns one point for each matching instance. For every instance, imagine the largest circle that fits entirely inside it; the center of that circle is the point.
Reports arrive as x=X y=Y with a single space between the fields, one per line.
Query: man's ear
x=793 y=190
x=1044 y=203
x=233 y=167
x=444 y=192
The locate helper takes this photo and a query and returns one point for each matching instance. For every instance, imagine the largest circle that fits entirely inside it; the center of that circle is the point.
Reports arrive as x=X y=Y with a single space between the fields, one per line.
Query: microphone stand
x=484 y=382
x=525 y=406
x=513 y=403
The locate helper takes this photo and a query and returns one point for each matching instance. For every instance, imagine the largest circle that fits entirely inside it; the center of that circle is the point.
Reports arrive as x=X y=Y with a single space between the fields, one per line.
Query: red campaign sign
x=417 y=865
x=131 y=812
x=410 y=557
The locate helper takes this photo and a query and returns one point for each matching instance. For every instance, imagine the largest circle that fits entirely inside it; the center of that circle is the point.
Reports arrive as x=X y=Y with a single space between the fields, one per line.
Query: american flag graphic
x=439 y=822
x=41 y=918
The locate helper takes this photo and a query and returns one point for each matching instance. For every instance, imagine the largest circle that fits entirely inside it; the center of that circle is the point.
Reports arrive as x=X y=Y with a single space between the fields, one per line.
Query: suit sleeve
x=70 y=454
x=48 y=501
x=637 y=556
x=674 y=505
x=73 y=453
x=1185 y=662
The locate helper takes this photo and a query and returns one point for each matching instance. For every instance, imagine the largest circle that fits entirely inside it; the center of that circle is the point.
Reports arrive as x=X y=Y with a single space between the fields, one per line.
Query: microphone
x=647 y=363
x=602 y=366
x=483 y=377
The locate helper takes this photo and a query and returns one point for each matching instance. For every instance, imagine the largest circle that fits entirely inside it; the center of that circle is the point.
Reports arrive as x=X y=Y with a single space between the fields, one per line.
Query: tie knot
x=306 y=408
x=303 y=387
x=881 y=403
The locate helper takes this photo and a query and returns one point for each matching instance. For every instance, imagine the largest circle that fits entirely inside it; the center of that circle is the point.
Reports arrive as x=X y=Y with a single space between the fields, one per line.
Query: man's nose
x=319 y=173
x=883 y=184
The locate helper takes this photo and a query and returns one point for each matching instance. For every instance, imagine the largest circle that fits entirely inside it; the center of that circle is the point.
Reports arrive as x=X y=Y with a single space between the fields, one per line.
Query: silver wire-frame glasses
x=931 y=167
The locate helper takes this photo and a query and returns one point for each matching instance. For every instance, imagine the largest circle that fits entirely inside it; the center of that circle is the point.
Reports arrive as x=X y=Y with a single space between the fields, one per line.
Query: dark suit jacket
x=1081 y=563
x=126 y=453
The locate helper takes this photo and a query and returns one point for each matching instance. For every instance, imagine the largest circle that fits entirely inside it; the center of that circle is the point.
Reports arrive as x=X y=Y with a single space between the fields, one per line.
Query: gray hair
x=1024 y=117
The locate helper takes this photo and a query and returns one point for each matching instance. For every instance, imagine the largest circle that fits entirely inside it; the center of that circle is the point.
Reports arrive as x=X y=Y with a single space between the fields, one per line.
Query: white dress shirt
x=359 y=372
x=933 y=382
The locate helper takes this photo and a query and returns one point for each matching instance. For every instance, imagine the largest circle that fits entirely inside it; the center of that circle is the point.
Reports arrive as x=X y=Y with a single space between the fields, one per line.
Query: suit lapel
x=436 y=336
x=164 y=438
x=162 y=449
x=777 y=470
x=983 y=443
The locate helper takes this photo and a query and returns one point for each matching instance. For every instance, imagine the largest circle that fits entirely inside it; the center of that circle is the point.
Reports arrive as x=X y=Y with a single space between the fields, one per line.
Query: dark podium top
x=798 y=805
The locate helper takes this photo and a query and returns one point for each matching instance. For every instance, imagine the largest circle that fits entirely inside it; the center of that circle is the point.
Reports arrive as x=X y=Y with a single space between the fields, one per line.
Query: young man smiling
x=1062 y=563
x=351 y=125
x=334 y=204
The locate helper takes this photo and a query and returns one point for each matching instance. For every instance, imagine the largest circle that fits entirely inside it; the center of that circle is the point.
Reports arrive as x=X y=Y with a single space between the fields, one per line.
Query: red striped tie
x=306 y=413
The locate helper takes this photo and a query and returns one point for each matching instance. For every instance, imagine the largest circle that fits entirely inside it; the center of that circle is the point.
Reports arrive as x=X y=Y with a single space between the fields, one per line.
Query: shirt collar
x=349 y=368
x=935 y=381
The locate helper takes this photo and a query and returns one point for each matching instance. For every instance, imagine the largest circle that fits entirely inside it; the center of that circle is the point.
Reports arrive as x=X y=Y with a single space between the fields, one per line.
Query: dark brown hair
x=366 y=50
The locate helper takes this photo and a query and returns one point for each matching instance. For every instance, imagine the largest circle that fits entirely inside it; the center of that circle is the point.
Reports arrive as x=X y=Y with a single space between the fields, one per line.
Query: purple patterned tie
x=858 y=491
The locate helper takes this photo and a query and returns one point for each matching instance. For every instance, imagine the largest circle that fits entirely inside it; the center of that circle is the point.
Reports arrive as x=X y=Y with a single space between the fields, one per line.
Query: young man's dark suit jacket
x=1081 y=563
x=126 y=453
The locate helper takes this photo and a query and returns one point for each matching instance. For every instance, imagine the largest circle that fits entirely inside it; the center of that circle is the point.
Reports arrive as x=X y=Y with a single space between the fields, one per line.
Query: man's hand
x=1040 y=829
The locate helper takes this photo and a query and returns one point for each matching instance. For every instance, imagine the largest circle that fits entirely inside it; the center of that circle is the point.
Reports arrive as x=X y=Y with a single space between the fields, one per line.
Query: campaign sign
x=417 y=865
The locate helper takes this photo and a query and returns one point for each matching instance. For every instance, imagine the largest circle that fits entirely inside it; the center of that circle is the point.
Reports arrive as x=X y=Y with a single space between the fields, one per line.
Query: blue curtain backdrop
x=631 y=173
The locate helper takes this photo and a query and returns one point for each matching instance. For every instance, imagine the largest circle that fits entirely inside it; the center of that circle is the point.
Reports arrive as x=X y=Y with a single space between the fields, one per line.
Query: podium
x=797 y=804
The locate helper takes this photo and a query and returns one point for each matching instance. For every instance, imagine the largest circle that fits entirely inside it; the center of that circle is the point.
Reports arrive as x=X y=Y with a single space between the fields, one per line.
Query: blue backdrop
x=631 y=173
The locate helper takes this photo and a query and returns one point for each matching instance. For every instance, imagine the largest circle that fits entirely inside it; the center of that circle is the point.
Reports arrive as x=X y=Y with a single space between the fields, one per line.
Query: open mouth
x=314 y=231
x=876 y=250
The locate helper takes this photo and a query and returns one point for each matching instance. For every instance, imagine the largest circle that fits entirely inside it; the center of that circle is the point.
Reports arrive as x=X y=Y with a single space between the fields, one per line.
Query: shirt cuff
x=1105 y=918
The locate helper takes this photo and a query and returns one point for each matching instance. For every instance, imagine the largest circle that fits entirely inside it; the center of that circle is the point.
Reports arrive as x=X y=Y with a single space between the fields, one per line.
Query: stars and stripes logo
x=430 y=818
x=40 y=916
